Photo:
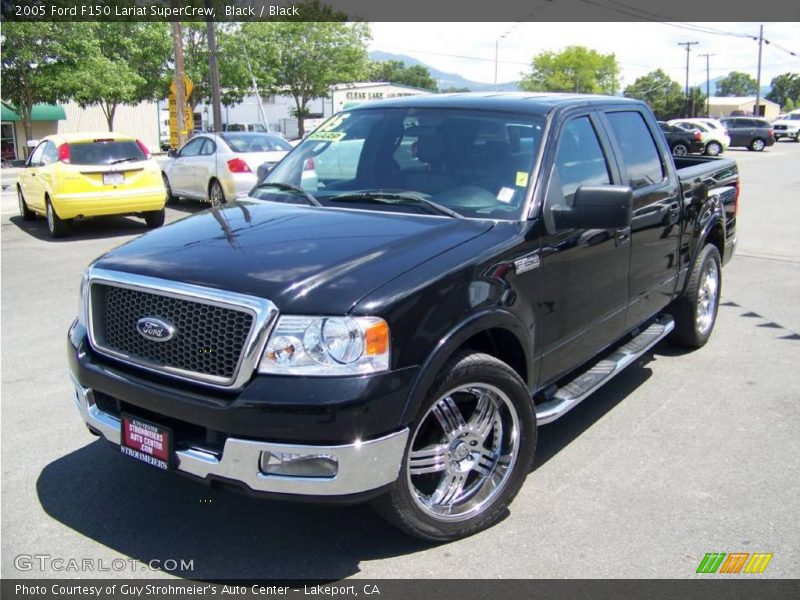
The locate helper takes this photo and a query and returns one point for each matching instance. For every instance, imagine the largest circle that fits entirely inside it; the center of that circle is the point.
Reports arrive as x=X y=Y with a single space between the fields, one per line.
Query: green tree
x=785 y=87
x=788 y=106
x=664 y=95
x=575 y=69
x=314 y=56
x=697 y=101
x=394 y=71
x=39 y=61
x=736 y=83
x=129 y=65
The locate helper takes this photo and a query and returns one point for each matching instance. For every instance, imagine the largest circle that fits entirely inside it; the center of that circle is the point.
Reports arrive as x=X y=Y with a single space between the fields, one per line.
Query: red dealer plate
x=146 y=441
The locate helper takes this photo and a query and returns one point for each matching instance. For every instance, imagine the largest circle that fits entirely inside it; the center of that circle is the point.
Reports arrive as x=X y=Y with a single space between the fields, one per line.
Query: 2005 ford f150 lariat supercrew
x=404 y=299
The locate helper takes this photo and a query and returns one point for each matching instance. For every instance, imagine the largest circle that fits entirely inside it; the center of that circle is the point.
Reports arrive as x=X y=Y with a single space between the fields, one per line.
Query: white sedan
x=218 y=168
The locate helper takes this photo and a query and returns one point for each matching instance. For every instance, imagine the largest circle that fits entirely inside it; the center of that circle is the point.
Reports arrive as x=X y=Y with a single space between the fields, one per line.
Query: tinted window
x=254 y=142
x=638 y=148
x=192 y=148
x=580 y=159
x=761 y=123
x=104 y=152
x=50 y=154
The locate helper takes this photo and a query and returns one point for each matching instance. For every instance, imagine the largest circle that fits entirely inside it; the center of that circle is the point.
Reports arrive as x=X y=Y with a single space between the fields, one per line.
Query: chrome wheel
x=707 y=298
x=679 y=150
x=713 y=149
x=215 y=194
x=50 y=218
x=463 y=452
x=21 y=203
x=758 y=145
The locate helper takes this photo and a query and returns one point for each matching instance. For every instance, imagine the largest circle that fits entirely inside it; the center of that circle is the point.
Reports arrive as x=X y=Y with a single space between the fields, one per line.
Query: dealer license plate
x=113 y=178
x=146 y=441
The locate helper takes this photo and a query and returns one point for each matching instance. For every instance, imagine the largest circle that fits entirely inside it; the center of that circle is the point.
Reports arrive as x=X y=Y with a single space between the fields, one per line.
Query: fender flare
x=453 y=340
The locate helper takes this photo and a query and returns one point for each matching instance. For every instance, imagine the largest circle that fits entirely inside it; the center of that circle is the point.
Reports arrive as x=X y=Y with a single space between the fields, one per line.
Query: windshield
x=792 y=118
x=474 y=163
x=104 y=152
x=255 y=142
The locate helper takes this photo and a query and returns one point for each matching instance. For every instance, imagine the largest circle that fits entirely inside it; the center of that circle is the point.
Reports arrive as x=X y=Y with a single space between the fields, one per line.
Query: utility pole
x=180 y=95
x=688 y=49
x=708 y=83
x=214 y=70
x=757 y=107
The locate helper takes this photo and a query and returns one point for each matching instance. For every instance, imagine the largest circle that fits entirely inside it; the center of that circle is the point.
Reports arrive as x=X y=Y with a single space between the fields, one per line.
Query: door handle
x=622 y=236
x=674 y=213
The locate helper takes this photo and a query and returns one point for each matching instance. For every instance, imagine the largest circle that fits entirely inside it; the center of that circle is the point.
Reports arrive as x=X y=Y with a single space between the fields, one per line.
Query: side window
x=192 y=148
x=638 y=148
x=50 y=154
x=579 y=159
x=36 y=157
x=208 y=148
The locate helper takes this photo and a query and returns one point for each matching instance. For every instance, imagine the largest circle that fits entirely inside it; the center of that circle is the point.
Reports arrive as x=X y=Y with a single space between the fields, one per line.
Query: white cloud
x=469 y=48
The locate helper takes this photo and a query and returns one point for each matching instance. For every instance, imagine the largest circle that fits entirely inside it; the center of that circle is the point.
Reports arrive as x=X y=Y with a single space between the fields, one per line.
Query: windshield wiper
x=388 y=197
x=126 y=159
x=288 y=187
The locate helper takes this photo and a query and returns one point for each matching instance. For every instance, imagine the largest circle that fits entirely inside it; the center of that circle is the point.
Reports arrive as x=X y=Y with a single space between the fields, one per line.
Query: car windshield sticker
x=327 y=136
x=505 y=195
x=522 y=178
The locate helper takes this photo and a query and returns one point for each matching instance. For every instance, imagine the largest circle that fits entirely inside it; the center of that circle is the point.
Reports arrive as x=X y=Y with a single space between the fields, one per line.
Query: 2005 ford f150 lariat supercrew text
x=403 y=300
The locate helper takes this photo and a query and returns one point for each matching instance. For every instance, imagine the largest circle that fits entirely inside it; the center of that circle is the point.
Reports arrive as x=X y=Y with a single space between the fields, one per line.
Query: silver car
x=220 y=168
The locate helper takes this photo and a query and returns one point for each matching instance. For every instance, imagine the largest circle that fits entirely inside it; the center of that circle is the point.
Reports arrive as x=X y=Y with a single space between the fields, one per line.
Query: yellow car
x=76 y=176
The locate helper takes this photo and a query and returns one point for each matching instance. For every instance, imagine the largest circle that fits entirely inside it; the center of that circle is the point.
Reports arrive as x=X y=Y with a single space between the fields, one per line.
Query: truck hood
x=306 y=260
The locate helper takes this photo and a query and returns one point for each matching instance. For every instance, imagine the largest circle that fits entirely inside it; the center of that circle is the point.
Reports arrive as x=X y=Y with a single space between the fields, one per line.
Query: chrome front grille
x=218 y=336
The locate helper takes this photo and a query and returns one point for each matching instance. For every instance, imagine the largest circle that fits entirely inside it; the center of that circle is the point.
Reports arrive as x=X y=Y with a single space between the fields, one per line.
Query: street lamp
x=497 y=49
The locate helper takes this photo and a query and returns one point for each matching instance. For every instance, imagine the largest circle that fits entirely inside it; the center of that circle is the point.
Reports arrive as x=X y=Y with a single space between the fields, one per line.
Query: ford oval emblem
x=155 y=329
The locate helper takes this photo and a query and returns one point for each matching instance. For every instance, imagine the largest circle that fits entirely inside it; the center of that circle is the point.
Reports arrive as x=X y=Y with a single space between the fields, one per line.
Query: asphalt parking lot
x=683 y=454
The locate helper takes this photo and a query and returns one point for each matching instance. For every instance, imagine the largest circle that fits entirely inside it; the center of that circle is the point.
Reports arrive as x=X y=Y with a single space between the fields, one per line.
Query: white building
x=344 y=95
x=722 y=106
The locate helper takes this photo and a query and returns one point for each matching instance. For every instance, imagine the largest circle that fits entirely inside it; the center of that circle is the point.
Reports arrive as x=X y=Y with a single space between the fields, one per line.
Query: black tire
x=155 y=218
x=462 y=457
x=713 y=149
x=26 y=213
x=691 y=330
x=680 y=149
x=171 y=198
x=757 y=145
x=216 y=195
x=55 y=225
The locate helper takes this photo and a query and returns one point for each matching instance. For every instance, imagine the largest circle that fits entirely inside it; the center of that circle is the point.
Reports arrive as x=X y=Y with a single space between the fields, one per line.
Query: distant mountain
x=713 y=83
x=443 y=79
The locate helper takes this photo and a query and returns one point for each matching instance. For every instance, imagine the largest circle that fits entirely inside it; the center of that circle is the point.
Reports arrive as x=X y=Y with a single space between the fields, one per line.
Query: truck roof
x=520 y=102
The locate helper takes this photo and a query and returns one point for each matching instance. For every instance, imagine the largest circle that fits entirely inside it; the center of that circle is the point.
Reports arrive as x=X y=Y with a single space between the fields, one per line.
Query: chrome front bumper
x=362 y=466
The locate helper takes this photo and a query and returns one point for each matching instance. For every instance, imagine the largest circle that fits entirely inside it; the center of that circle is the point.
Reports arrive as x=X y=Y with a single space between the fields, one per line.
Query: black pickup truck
x=408 y=295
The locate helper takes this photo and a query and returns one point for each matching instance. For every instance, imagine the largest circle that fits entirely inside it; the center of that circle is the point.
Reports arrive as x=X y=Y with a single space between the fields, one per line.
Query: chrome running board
x=584 y=385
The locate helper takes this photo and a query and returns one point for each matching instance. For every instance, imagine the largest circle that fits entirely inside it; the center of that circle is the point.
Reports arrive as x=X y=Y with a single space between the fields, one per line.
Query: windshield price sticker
x=327 y=136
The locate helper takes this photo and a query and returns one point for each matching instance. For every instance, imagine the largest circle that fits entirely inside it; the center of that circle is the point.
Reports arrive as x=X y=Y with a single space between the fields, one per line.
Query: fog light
x=298 y=465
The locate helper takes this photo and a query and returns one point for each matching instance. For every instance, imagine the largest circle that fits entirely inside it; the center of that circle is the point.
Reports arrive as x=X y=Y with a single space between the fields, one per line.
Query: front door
x=30 y=182
x=584 y=271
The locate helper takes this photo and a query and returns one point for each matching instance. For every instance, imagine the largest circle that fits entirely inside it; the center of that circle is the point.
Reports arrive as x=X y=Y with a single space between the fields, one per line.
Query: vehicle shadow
x=90 y=229
x=556 y=436
x=145 y=514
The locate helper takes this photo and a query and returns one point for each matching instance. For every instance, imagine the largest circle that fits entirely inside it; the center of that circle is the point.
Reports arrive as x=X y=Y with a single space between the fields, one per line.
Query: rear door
x=655 y=229
x=584 y=271
x=738 y=129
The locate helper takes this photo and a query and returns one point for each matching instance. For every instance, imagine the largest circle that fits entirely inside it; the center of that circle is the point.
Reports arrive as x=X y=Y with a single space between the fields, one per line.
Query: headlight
x=327 y=346
x=83 y=299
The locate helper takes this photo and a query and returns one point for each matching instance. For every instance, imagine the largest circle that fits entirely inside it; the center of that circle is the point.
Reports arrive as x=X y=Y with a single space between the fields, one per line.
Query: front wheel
x=468 y=454
x=26 y=213
x=171 y=198
x=713 y=149
x=695 y=311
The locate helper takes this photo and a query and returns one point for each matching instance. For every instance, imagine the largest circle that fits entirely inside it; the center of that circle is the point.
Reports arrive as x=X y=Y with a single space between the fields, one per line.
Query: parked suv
x=788 y=127
x=749 y=132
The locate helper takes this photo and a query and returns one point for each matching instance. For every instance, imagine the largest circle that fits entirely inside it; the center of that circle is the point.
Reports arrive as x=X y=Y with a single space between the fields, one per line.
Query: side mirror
x=596 y=207
x=172 y=153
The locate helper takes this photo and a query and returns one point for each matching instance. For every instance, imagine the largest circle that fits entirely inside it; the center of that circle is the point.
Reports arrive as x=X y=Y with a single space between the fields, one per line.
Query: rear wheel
x=171 y=199
x=26 y=213
x=680 y=150
x=758 y=145
x=695 y=311
x=713 y=149
x=468 y=454
x=155 y=218
x=56 y=226
x=215 y=194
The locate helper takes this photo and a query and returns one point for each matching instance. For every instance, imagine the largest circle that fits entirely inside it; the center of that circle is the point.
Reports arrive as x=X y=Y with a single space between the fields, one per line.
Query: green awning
x=40 y=112
x=48 y=112
x=6 y=114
